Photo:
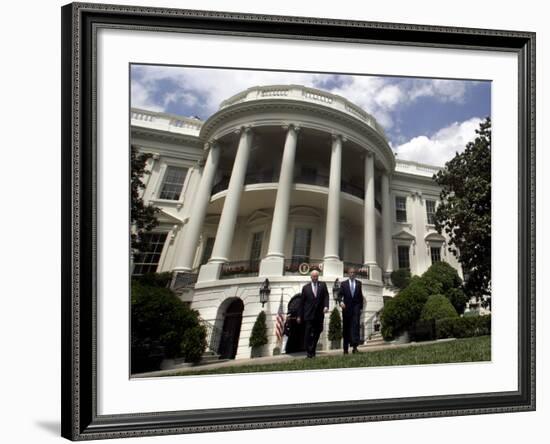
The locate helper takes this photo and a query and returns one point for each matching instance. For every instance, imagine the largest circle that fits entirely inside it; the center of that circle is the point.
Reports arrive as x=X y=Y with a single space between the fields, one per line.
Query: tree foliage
x=465 y=210
x=159 y=316
x=335 y=325
x=143 y=217
x=438 y=307
x=258 y=337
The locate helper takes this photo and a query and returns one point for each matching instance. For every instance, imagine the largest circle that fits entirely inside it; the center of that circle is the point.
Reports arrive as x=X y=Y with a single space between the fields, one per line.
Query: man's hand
x=342 y=305
x=298 y=319
x=326 y=310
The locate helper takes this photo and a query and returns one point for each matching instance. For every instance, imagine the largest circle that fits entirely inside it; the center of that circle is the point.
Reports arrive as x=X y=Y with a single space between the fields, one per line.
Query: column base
x=333 y=268
x=375 y=272
x=272 y=266
x=210 y=272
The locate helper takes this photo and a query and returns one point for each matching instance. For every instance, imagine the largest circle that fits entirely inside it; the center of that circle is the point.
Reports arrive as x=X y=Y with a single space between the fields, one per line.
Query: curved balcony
x=313 y=179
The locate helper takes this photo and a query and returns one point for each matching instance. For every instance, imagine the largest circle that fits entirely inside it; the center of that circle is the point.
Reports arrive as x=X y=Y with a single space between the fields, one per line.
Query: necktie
x=352 y=287
x=315 y=290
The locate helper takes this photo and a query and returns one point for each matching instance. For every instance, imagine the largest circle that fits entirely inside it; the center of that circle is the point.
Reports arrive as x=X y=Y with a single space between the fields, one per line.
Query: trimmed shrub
x=441 y=277
x=258 y=336
x=401 y=278
x=423 y=331
x=458 y=298
x=159 y=320
x=465 y=327
x=335 y=325
x=437 y=307
x=404 y=309
x=193 y=343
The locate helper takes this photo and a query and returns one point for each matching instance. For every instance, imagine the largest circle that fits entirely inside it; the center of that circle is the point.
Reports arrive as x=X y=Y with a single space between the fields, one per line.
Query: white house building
x=280 y=180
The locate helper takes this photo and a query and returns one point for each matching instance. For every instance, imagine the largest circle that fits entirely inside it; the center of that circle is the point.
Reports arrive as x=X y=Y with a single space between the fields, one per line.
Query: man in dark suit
x=314 y=305
x=351 y=301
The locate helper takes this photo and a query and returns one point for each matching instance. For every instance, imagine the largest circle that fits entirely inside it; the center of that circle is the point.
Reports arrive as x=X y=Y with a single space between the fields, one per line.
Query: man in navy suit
x=351 y=301
x=314 y=305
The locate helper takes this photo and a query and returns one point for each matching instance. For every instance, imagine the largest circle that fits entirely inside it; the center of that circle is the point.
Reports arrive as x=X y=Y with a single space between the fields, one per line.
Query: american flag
x=280 y=321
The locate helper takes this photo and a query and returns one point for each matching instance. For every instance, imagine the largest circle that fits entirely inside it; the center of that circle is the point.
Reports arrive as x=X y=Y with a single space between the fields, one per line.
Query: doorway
x=231 y=330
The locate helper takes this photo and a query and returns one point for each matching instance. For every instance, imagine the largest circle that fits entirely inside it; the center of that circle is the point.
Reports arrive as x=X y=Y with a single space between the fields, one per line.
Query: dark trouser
x=313 y=330
x=350 y=328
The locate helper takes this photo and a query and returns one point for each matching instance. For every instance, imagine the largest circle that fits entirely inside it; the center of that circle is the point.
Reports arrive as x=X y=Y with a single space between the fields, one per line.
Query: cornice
x=219 y=124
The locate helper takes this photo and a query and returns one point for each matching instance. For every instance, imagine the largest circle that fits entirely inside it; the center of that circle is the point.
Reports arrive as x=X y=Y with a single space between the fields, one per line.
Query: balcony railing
x=263 y=177
x=313 y=179
x=302 y=265
x=362 y=272
x=185 y=280
x=240 y=269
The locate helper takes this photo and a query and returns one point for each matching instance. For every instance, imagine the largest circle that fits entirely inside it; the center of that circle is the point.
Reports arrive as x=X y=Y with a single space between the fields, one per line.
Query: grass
x=462 y=350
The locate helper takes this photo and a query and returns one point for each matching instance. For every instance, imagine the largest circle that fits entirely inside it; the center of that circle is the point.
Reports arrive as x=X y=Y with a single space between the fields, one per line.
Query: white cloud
x=204 y=89
x=442 y=146
x=442 y=90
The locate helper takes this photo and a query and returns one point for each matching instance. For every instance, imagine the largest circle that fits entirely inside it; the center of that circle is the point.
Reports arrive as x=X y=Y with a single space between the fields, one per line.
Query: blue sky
x=426 y=120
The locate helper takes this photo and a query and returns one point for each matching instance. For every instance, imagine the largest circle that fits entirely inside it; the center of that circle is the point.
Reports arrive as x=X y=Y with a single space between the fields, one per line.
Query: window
x=302 y=244
x=207 y=250
x=403 y=256
x=435 y=253
x=430 y=211
x=256 y=248
x=148 y=261
x=173 y=183
x=400 y=209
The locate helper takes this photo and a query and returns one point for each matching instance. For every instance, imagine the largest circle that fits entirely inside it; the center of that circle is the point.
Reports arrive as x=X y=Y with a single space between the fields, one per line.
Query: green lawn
x=462 y=350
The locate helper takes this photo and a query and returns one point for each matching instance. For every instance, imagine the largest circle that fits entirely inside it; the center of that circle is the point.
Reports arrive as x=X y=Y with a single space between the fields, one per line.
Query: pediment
x=404 y=235
x=259 y=216
x=434 y=237
x=305 y=211
x=167 y=218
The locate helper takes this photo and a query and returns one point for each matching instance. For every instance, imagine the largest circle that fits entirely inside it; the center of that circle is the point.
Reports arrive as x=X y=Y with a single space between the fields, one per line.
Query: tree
x=465 y=210
x=335 y=326
x=258 y=336
x=161 y=319
x=143 y=218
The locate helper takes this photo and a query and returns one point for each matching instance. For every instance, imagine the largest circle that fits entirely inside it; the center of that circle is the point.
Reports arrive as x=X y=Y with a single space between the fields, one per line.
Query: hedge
x=438 y=307
x=464 y=327
x=403 y=310
x=159 y=321
x=193 y=343
x=401 y=278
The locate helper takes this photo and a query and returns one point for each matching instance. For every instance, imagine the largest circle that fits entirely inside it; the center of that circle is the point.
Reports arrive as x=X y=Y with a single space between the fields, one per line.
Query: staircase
x=375 y=340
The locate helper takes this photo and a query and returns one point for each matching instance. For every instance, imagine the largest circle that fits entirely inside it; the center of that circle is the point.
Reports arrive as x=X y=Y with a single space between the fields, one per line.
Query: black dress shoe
x=354 y=350
x=346 y=352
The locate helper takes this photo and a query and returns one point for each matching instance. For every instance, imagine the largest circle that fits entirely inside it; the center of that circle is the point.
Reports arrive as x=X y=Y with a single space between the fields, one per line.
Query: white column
x=387 y=225
x=273 y=263
x=369 y=237
x=226 y=227
x=333 y=266
x=189 y=239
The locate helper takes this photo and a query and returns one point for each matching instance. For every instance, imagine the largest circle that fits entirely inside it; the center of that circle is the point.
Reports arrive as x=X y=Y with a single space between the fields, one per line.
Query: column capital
x=294 y=126
x=247 y=129
x=210 y=144
x=336 y=136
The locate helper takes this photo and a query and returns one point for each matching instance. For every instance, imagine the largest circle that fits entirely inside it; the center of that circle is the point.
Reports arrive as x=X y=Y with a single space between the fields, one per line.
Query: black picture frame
x=80 y=420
